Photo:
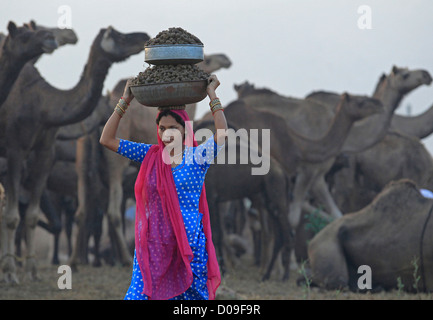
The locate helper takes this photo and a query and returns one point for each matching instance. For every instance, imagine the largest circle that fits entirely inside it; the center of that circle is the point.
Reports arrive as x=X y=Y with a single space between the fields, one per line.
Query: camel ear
x=395 y=69
x=346 y=97
x=12 y=28
x=33 y=25
x=107 y=33
x=236 y=87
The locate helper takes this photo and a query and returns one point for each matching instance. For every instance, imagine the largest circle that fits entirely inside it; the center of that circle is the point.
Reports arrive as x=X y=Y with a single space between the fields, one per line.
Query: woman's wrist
x=212 y=95
x=127 y=99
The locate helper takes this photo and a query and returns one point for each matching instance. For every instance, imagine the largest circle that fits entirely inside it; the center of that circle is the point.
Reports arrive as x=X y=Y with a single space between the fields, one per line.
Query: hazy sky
x=290 y=46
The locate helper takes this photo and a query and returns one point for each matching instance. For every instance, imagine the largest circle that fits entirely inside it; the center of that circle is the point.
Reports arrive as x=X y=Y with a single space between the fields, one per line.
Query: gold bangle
x=124 y=103
x=118 y=111
x=214 y=102
x=216 y=106
x=123 y=110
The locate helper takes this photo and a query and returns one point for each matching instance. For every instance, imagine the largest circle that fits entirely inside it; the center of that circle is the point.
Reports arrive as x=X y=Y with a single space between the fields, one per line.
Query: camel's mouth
x=49 y=45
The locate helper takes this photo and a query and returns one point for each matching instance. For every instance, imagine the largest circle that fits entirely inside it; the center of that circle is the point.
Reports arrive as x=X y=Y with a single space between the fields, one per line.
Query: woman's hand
x=127 y=93
x=213 y=83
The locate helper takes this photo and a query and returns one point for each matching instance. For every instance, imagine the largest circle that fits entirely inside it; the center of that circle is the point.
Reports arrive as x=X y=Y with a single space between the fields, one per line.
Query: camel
x=402 y=80
x=288 y=147
x=62 y=37
x=312 y=115
x=392 y=236
x=30 y=122
x=397 y=156
x=17 y=48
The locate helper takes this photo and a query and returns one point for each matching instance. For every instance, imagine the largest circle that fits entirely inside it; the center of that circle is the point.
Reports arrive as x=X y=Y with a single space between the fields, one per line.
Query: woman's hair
x=168 y=112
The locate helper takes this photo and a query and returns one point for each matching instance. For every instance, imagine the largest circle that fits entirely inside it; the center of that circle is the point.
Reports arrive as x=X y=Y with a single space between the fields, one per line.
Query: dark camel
x=50 y=208
x=32 y=115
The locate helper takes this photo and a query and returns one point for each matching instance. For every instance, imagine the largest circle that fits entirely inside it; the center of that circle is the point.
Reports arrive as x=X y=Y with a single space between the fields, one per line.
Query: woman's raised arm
x=217 y=111
x=108 y=137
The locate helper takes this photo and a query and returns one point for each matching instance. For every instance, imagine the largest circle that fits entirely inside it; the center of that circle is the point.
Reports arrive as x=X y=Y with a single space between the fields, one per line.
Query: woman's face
x=170 y=131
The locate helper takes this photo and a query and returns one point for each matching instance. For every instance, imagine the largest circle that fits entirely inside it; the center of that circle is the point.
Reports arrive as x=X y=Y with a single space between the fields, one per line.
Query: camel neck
x=419 y=126
x=369 y=131
x=79 y=102
x=329 y=145
x=10 y=66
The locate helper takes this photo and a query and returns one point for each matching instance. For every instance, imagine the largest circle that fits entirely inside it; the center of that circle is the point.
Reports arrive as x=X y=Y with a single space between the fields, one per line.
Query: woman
x=174 y=254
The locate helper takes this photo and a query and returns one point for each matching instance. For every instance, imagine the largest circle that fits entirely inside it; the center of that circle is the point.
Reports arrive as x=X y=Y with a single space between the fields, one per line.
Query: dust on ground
x=243 y=282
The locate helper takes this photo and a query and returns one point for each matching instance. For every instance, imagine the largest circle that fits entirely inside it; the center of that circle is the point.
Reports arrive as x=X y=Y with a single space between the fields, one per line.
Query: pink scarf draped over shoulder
x=162 y=249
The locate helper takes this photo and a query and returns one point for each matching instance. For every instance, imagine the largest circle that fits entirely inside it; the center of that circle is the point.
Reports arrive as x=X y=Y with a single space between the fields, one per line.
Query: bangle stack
x=215 y=105
x=121 y=107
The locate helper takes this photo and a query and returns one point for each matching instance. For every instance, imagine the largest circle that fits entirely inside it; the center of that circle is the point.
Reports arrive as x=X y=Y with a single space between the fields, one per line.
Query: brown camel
x=17 y=48
x=312 y=115
x=392 y=236
x=32 y=114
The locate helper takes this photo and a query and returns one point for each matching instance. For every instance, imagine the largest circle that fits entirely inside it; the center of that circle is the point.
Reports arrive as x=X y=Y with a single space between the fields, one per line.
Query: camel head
x=359 y=107
x=404 y=80
x=401 y=191
x=63 y=36
x=214 y=62
x=118 y=46
x=244 y=89
x=27 y=43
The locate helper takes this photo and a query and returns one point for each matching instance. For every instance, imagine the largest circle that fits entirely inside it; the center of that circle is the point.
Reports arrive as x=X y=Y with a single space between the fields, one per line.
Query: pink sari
x=162 y=249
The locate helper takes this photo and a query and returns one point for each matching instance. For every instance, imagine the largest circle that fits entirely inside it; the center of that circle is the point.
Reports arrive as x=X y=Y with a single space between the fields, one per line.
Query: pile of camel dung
x=170 y=73
x=174 y=36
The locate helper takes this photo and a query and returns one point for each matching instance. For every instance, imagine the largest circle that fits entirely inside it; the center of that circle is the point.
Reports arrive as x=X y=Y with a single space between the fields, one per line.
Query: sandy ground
x=243 y=282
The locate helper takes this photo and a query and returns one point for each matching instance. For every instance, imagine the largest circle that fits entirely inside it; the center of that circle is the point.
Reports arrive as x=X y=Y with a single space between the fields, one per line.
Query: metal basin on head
x=173 y=54
x=170 y=94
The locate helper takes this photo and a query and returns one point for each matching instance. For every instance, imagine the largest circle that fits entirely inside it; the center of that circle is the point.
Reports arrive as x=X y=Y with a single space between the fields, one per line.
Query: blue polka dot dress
x=188 y=178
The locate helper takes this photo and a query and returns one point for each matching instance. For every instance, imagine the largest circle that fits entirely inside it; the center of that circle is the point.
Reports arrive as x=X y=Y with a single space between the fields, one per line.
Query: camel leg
x=53 y=214
x=11 y=215
x=276 y=204
x=321 y=192
x=116 y=170
x=266 y=240
x=39 y=170
x=278 y=244
x=255 y=227
x=304 y=180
